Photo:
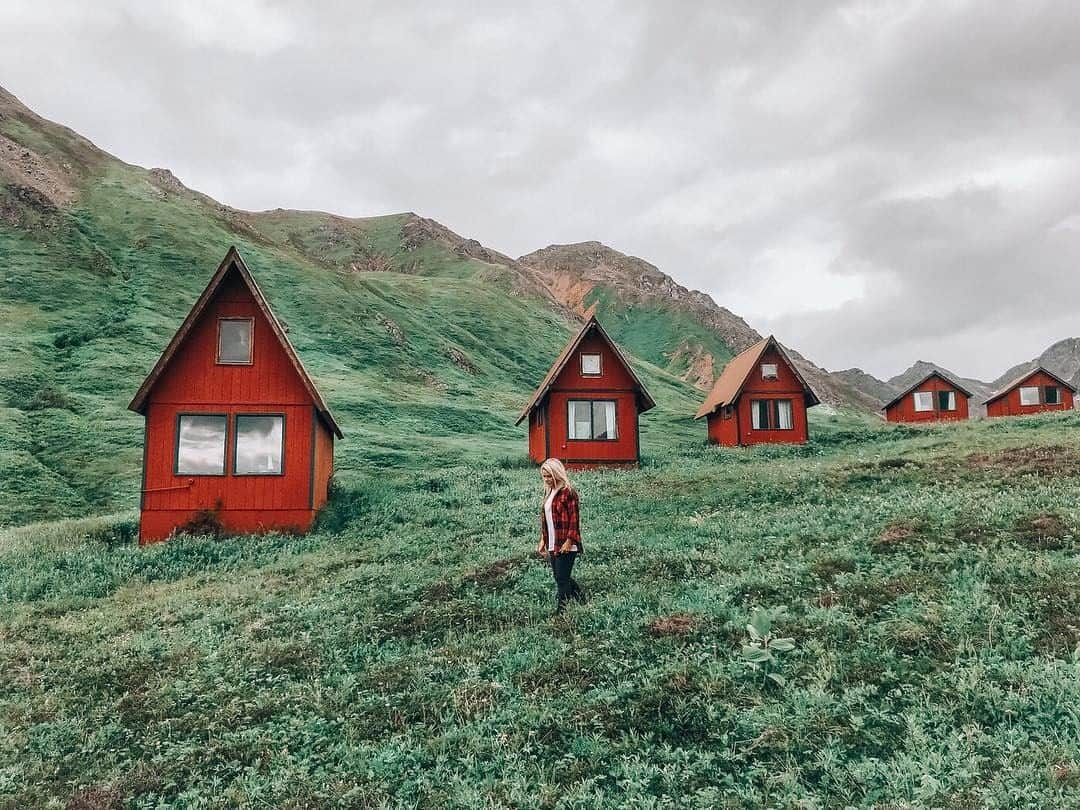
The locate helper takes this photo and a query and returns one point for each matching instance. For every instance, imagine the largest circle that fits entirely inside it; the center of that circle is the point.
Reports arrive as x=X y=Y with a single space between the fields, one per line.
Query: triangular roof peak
x=591 y=325
x=1040 y=368
x=733 y=378
x=945 y=378
x=233 y=261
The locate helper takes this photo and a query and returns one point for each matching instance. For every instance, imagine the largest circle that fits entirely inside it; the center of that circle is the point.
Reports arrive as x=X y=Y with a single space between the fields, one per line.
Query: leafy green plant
x=760 y=652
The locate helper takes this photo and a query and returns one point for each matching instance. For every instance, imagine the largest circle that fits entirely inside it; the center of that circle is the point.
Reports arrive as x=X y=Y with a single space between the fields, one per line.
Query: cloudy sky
x=874 y=182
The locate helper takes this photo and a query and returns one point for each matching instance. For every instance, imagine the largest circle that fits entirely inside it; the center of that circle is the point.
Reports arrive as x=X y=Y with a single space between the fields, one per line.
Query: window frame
x=599 y=364
x=1038 y=396
x=774 y=413
x=775 y=374
x=915 y=401
x=236 y=442
x=224 y=448
x=1057 y=394
x=251 y=343
x=950 y=397
x=592 y=424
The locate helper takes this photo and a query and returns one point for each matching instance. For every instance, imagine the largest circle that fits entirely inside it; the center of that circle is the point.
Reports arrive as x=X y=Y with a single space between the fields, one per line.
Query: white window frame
x=599 y=364
x=926 y=397
x=950 y=402
x=1057 y=394
x=251 y=341
x=770 y=371
x=1029 y=389
x=571 y=425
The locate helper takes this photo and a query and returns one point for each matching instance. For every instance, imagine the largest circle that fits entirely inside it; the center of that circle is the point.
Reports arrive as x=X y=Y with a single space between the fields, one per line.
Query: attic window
x=590 y=365
x=1029 y=395
x=1052 y=395
x=924 y=401
x=234 y=341
x=769 y=371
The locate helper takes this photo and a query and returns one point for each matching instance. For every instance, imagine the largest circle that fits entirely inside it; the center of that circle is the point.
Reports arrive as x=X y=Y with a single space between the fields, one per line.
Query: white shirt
x=550 y=522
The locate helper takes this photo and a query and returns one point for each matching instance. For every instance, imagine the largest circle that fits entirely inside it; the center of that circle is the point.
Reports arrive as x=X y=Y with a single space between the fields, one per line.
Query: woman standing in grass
x=560 y=536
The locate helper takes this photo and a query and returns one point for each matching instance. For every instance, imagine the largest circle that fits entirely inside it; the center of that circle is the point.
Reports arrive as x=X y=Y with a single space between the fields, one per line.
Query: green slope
x=93 y=290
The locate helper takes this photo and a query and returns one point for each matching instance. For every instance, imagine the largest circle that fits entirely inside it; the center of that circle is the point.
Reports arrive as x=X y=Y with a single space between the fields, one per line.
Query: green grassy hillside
x=404 y=654
x=424 y=353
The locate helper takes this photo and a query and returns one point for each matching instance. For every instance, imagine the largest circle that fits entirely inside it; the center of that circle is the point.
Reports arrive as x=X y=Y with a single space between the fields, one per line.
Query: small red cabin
x=1036 y=391
x=233 y=423
x=585 y=412
x=759 y=398
x=934 y=398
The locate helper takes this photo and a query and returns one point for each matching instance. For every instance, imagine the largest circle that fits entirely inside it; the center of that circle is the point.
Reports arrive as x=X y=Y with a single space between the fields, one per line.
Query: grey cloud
x=876 y=182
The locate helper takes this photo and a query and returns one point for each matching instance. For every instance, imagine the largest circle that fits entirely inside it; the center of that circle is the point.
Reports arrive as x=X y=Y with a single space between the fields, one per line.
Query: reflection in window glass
x=200 y=445
x=768 y=371
x=1029 y=395
x=590 y=365
x=259 y=445
x=234 y=340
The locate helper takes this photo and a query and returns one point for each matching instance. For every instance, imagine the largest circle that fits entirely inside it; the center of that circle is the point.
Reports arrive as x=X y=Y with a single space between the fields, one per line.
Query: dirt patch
x=895 y=535
x=495 y=575
x=96 y=798
x=1043 y=531
x=19 y=166
x=677 y=624
x=1053 y=461
x=461 y=360
x=828 y=568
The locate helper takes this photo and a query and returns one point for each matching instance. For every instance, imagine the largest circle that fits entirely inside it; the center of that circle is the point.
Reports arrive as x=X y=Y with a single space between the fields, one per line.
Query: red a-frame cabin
x=759 y=398
x=585 y=412
x=234 y=425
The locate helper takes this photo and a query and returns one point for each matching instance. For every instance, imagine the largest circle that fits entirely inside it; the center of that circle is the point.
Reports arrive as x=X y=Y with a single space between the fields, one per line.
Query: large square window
x=234 y=341
x=924 y=401
x=946 y=400
x=1029 y=395
x=260 y=444
x=771 y=414
x=200 y=444
x=591 y=420
x=590 y=365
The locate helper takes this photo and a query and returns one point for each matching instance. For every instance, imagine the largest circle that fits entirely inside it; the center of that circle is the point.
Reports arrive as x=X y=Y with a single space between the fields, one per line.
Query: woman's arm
x=570 y=520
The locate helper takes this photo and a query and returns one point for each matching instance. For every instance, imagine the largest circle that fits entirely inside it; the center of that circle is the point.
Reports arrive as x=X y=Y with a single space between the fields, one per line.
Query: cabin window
x=260 y=444
x=771 y=414
x=590 y=365
x=200 y=444
x=924 y=401
x=592 y=420
x=1052 y=395
x=234 y=341
x=1029 y=395
x=946 y=400
x=726 y=412
x=769 y=371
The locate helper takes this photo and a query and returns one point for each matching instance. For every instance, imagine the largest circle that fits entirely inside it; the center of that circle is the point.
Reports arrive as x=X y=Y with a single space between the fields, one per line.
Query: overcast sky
x=876 y=182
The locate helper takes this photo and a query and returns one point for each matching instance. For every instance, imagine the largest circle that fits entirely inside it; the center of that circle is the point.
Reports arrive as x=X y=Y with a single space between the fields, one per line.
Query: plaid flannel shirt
x=564 y=516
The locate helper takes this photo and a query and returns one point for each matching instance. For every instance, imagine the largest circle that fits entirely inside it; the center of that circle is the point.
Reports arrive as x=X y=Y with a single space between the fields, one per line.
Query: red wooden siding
x=538 y=434
x=735 y=426
x=903 y=410
x=1009 y=403
x=194 y=383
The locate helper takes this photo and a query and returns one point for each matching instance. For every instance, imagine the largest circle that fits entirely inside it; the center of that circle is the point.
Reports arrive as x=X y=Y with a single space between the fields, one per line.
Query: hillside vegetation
x=404 y=654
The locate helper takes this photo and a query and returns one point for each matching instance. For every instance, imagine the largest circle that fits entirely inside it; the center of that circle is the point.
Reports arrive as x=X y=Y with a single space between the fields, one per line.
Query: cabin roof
x=944 y=378
x=733 y=378
x=1005 y=389
x=590 y=325
x=231 y=261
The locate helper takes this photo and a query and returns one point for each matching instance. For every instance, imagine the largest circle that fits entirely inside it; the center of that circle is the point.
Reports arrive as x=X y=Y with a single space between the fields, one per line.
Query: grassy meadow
x=404 y=654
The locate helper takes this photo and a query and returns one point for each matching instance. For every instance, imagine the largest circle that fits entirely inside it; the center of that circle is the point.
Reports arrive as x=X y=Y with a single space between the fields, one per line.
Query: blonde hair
x=557 y=471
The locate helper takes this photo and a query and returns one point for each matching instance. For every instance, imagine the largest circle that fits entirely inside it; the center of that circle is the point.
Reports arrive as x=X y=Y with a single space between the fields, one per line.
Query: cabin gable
x=933 y=399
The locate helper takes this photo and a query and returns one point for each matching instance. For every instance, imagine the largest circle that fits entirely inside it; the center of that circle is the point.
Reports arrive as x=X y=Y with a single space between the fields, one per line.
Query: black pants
x=567 y=588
